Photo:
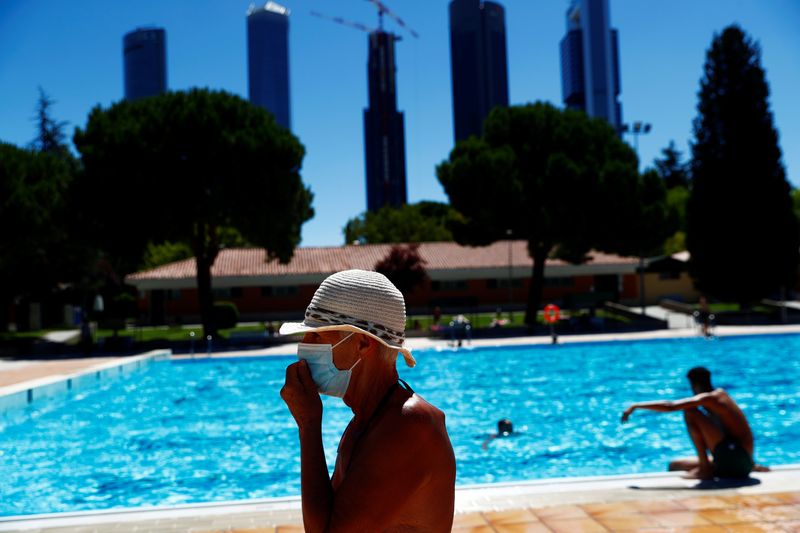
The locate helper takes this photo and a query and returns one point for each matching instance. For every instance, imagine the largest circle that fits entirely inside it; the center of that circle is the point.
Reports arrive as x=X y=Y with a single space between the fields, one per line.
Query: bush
x=226 y=315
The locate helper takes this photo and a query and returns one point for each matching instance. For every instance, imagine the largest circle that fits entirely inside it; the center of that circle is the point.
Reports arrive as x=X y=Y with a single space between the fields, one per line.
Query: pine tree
x=742 y=233
x=50 y=137
x=671 y=169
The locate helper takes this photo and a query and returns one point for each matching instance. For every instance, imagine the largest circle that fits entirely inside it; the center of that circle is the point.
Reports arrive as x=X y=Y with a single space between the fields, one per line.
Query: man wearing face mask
x=395 y=468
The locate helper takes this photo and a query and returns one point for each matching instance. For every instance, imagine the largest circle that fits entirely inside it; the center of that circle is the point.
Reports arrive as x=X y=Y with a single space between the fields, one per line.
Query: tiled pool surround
x=16 y=397
x=526 y=506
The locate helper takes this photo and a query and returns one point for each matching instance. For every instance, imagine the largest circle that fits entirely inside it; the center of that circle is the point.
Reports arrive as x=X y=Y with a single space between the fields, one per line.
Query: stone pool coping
x=274 y=512
x=17 y=396
x=421 y=343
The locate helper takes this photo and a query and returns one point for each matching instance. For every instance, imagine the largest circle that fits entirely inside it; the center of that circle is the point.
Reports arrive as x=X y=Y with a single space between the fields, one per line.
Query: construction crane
x=382 y=10
x=344 y=22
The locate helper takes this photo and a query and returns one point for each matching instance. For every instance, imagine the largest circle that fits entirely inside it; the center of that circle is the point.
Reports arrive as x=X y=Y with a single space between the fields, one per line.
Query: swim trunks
x=731 y=460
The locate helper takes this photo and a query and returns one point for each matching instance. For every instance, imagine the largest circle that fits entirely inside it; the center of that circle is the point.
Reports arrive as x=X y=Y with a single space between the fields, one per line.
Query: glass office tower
x=478 y=63
x=590 y=62
x=145 y=59
x=268 y=60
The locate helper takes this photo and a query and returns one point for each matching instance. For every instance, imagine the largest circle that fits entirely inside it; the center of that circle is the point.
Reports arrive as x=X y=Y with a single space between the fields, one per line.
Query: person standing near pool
x=716 y=423
x=395 y=467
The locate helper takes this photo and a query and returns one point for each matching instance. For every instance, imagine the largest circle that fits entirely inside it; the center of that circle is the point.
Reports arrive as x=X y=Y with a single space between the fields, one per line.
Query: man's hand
x=301 y=396
x=627 y=413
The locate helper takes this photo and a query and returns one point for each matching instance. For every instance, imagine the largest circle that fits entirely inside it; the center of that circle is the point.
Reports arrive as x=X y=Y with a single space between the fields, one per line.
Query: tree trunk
x=206 y=247
x=641 y=282
x=537 y=284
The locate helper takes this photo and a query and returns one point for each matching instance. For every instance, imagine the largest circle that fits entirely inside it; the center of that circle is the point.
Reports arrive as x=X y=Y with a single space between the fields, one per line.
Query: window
x=279 y=291
x=173 y=294
x=228 y=292
x=449 y=285
x=669 y=274
x=502 y=283
x=559 y=282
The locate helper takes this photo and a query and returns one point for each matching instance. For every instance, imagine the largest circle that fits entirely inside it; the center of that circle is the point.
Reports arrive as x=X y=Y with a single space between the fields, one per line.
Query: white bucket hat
x=359 y=301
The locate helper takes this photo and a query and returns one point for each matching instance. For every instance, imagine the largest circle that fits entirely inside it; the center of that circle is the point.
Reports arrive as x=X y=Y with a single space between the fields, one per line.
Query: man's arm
x=666 y=406
x=300 y=394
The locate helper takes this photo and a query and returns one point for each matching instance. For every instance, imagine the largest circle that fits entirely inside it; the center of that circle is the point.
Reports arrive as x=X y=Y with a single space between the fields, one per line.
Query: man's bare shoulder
x=417 y=411
x=417 y=422
x=720 y=394
x=721 y=399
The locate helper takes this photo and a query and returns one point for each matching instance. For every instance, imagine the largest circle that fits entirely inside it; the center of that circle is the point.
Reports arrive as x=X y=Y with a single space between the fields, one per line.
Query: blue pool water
x=210 y=430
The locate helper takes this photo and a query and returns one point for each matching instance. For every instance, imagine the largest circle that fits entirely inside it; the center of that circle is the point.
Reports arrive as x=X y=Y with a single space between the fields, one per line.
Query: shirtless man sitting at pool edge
x=720 y=427
x=395 y=468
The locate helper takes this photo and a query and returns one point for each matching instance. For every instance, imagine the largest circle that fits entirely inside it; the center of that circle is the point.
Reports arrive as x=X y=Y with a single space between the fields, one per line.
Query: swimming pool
x=216 y=429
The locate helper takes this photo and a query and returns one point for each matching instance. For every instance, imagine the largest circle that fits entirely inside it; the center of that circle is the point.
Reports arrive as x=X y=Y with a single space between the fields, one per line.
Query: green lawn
x=181 y=333
x=12 y=335
x=174 y=333
x=144 y=334
x=484 y=320
x=732 y=307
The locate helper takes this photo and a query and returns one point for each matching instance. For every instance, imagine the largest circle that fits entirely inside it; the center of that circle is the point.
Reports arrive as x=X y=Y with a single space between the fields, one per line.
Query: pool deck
x=654 y=503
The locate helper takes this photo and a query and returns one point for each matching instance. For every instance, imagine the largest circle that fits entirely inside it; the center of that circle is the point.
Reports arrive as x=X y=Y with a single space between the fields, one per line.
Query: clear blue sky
x=74 y=51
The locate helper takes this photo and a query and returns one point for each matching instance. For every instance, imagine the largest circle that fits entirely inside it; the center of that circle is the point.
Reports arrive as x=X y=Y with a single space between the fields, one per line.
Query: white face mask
x=329 y=379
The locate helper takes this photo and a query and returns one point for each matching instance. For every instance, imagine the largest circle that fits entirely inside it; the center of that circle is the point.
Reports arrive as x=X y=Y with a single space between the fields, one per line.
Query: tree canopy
x=671 y=168
x=178 y=167
x=38 y=249
x=742 y=233
x=563 y=181
x=421 y=222
x=404 y=267
x=33 y=187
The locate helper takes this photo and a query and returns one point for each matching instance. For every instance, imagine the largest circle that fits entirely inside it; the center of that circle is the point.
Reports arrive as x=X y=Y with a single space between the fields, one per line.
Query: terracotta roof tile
x=244 y=262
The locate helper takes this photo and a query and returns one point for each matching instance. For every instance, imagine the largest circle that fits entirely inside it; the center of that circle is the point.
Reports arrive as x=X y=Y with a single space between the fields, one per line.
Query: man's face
x=344 y=356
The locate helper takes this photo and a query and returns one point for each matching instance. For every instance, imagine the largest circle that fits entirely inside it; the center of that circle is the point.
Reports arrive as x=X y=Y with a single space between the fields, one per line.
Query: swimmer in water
x=504 y=429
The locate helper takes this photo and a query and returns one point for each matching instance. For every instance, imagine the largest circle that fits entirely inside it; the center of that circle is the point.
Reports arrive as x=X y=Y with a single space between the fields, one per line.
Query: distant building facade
x=478 y=62
x=590 y=79
x=145 y=59
x=384 y=132
x=461 y=279
x=268 y=60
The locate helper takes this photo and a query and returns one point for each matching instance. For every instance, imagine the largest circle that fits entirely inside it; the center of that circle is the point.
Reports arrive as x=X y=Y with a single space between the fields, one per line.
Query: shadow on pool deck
x=708 y=484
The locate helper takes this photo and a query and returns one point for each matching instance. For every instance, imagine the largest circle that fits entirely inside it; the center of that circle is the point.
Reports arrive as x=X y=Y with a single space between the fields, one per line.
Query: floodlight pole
x=638 y=128
x=510 y=284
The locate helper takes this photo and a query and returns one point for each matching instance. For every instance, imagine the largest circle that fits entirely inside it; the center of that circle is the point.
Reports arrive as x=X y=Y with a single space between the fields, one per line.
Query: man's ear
x=365 y=343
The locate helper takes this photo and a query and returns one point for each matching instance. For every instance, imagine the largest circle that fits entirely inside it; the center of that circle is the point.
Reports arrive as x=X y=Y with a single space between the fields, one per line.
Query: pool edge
x=20 y=395
x=469 y=498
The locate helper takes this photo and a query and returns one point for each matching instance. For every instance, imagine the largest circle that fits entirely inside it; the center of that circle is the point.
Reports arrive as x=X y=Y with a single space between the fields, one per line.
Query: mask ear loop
x=340 y=342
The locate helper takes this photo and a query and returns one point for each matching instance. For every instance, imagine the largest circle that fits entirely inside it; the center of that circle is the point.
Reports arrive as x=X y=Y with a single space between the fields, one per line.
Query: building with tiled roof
x=461 y=278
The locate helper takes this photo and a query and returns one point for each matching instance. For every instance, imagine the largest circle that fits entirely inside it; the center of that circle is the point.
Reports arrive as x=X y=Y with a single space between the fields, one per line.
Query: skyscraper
x=145 y=56
x=384 y=135
x=268 y=60
x=590 y=62
x=478 y=63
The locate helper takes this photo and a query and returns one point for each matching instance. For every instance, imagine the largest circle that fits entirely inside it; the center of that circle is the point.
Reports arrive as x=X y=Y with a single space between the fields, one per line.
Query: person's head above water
x=504 y=427
x=700 y=379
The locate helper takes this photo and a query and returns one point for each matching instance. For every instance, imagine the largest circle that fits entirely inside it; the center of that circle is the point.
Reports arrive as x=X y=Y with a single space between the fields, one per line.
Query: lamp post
x=510 y=274
x=636 y=129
